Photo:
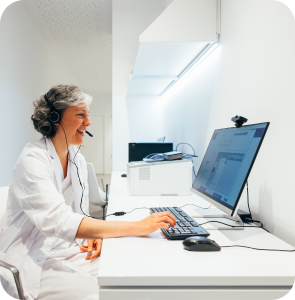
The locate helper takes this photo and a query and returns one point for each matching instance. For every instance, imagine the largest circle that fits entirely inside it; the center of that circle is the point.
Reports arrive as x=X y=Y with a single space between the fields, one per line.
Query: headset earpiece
x=54 y=116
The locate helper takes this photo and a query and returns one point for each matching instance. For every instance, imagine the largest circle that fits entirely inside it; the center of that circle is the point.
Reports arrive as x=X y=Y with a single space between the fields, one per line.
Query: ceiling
x=80 y=34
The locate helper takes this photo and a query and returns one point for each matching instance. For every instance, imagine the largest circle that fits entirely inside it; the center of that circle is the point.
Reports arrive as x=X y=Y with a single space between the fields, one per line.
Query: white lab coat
x=37 y=213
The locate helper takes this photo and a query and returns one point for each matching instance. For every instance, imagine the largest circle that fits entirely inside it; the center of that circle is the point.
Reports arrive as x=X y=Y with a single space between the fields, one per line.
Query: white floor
x=96 y=211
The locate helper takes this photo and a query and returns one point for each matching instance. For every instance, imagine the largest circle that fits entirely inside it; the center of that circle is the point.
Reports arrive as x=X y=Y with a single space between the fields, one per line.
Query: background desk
x=153 y=267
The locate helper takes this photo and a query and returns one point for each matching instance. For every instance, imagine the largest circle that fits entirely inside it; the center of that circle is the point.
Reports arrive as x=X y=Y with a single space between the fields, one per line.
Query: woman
x=47 y=236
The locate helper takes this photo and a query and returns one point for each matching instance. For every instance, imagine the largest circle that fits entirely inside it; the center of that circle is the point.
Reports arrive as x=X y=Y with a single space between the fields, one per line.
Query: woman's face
x=75 y=121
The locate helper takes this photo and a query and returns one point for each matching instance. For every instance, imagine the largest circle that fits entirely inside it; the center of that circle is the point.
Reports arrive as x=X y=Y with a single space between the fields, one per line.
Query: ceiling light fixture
x=197 y=61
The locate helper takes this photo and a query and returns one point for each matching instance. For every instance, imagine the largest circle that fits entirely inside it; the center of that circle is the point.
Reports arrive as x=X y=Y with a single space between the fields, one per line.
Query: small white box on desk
x=165 y=178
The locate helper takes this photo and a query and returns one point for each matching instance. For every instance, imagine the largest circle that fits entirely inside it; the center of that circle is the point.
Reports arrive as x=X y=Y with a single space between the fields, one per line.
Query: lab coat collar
x=51 y=150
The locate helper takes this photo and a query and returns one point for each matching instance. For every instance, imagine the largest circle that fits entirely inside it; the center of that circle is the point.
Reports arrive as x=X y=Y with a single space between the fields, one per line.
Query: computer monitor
x=227 y=164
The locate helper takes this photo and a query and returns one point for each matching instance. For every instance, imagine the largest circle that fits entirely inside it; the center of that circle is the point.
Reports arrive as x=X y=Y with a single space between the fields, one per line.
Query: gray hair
x=61 y=97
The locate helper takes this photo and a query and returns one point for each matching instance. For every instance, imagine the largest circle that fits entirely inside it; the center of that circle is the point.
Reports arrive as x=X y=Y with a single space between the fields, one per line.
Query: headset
x=54 y=117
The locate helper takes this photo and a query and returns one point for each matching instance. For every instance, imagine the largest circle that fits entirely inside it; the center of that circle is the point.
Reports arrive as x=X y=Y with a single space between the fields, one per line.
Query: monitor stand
x=215 y=213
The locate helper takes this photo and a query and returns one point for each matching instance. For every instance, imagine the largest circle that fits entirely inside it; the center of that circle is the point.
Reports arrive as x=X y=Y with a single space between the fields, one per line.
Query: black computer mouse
x=124 y=175
x=200 y=243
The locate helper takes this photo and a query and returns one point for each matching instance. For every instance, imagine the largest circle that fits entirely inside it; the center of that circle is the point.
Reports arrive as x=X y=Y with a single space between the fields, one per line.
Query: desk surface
x=155 y=261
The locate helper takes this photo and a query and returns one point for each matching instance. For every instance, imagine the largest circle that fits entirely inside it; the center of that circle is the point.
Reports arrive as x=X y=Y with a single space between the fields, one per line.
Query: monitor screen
x=228 y=162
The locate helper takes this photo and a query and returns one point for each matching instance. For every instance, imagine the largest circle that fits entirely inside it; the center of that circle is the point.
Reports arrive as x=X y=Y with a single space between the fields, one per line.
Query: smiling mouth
x=81 y=132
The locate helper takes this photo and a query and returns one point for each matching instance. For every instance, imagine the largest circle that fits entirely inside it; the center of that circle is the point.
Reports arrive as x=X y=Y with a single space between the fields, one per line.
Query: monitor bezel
x=217 y=202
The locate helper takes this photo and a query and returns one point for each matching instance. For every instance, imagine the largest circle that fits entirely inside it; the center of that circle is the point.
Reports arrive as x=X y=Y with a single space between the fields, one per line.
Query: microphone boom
x=89 y=133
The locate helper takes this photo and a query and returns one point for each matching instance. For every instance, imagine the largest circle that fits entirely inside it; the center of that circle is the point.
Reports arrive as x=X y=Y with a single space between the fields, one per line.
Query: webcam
x=239 y=120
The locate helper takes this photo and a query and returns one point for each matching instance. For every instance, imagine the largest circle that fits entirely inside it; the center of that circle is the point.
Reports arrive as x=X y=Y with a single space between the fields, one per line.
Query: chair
x=96 y=196
x=12 y=269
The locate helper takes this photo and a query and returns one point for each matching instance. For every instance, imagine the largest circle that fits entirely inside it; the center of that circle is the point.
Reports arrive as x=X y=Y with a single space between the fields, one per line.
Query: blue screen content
x=227 y=161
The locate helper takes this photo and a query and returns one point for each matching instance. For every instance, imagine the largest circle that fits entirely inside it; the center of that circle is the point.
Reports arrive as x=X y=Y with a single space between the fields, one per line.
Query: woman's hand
x=93 y=245
x=154 y=222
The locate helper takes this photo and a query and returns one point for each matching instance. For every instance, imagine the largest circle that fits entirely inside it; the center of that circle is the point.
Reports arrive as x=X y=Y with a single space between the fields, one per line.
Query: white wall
x=28 y=68
x=145 y=118
x=252 y=74
x=102 y=104
x=134 y=119
x=186 y=108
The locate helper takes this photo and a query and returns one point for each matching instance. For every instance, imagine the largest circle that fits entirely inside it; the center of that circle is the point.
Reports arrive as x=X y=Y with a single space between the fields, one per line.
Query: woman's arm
x=98 y=229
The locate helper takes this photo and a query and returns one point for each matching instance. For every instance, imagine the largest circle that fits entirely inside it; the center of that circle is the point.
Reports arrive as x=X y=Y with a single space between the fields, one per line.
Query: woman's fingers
x=155 y=222
x=95 y=254
x=169 y=215
x=89 y=248
x=167 y=219
x=98 y=244
x=84 y=248
x=163 y=225
x=90 y=245
x=172 y=220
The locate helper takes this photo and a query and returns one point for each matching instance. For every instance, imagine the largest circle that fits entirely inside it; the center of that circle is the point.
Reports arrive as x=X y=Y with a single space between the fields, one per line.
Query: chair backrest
x=3 y=202
x=94 y=194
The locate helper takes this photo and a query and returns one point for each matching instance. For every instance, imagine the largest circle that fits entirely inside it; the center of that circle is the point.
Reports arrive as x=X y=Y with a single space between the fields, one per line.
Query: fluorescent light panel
x=196 y=61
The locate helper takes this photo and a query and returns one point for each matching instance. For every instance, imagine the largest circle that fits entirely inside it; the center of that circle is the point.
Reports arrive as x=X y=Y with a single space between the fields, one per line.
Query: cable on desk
x=250 y=220
x=234 y=226
x=186 y=144
x=247 y=246
x=258 y=248
x=248 y=201
x=189 y=156
x=122 y=213
x=136 y=209
x=102 y=217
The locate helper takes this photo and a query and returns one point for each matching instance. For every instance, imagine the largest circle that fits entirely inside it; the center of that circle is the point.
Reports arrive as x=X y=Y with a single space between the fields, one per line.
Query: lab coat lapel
x=58 y=172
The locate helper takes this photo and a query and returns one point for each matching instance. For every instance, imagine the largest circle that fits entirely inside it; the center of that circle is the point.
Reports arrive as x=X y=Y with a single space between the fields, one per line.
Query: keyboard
x=185 y=225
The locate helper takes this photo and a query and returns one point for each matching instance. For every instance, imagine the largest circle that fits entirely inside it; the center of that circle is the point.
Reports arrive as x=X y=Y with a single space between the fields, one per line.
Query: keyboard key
x=189 y=220
x=174 y=234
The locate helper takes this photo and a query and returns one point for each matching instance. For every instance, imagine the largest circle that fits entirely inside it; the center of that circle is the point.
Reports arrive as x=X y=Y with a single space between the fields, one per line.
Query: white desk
x=153 y=267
